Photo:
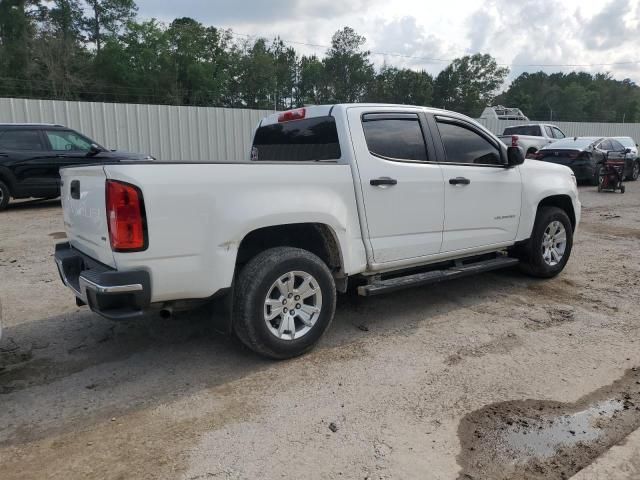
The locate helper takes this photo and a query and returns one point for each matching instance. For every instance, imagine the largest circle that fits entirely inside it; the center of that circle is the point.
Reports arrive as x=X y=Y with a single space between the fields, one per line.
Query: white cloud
x=514 y=32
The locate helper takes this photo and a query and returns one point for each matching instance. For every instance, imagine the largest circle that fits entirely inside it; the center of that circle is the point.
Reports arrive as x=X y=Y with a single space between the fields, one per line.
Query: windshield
x=627 y=142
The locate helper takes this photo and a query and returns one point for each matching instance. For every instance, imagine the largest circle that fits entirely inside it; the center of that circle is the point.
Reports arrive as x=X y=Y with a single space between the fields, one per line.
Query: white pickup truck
x=379 y=197
x=531 y=137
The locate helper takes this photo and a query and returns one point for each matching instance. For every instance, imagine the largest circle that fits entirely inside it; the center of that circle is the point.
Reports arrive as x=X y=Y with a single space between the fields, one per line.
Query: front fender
x=542 y=180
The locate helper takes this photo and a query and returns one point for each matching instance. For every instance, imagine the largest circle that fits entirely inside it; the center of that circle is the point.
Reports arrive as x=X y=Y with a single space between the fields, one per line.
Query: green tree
x=348 y=68
x=402 y=86
x=575 y=96
x=469 y=84
x=286 y=74
x=199 y=61
x=17 y=31
x=257 y=76
x=106 y=18
x=313 y=85
x=58 y=51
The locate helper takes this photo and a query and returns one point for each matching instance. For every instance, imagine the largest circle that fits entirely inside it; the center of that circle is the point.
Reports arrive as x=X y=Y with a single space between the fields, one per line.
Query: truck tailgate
x=84 y=207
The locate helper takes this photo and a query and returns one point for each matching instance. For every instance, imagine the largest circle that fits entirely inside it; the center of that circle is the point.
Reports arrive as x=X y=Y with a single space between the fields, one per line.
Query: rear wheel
x=5 y=196
x=549 y=248
x=284 y=301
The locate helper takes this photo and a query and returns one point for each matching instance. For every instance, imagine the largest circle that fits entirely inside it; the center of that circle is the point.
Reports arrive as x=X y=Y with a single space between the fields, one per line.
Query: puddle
x=548 y=440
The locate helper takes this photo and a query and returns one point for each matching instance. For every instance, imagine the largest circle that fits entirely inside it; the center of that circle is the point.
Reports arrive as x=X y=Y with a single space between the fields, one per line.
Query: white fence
x=575 y=129
x=169 y=133
x=198 y=134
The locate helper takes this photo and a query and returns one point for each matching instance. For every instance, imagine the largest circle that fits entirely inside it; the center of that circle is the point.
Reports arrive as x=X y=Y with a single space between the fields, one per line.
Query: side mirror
x=94 y=150
x=515 y=156
x=627 y=151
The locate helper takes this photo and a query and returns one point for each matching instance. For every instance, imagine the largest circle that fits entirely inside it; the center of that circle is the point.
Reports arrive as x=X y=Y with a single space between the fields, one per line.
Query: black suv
x=31 y=156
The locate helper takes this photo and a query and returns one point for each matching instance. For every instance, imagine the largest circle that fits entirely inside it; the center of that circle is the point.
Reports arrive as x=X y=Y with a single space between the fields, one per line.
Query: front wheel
x=635 y=173
x=5 y=195
x=284 y=301
x=549 y=248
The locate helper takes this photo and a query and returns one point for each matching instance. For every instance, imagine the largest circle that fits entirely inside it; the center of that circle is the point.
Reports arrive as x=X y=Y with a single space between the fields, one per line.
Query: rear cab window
x=309 y=140
x=527 y=130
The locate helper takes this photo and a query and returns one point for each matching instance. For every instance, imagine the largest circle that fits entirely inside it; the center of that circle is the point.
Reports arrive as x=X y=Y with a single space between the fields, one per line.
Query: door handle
x=74 y=189
x=460 y=181
x=3 y=155
x=384 y=181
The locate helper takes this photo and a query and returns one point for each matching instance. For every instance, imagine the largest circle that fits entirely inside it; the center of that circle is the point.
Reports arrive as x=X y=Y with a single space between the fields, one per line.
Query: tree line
x=99 y=50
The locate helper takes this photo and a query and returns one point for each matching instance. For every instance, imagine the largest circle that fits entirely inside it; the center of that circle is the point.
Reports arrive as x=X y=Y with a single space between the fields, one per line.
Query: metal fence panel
x=200 y=134
x=574 y=129
x=170 y=133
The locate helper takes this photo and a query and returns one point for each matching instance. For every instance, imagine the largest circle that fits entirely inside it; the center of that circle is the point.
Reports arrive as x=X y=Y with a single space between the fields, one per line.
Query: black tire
x=250 y=292
x=5 y=196
x=596 y=175
x=635 y=173
x=532 y=261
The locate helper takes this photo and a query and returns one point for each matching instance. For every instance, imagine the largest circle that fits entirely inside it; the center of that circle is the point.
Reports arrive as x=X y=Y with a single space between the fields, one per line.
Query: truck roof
x=313 y=111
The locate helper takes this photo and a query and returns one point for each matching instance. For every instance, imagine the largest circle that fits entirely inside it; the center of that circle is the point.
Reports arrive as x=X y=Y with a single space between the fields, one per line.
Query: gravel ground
x=391 y=391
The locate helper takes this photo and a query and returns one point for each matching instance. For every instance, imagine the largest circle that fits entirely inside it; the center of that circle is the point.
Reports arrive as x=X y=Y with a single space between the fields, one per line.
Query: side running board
x=379 y=287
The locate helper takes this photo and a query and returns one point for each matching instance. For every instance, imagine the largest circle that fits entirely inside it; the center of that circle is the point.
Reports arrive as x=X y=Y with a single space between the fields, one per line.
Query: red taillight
x=125 y=217
x=290 y=115
x=514 y=140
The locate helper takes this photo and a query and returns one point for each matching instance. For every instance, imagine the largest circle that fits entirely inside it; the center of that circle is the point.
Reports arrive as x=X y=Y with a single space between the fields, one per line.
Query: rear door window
x=308 y=140
x=397 y=137
x=21 y=140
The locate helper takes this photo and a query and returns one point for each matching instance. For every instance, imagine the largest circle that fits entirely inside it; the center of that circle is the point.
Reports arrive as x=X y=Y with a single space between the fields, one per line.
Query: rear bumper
x=584 y=172
x=112 y=294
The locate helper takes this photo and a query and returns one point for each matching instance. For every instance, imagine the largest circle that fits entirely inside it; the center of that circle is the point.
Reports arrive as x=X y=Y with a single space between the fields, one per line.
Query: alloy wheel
x=554 y=243
x=292 y=305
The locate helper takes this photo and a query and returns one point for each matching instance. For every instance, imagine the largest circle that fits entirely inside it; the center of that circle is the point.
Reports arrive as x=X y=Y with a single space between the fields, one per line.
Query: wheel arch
x=562 y=202
x=8 y=179
x=317 y=238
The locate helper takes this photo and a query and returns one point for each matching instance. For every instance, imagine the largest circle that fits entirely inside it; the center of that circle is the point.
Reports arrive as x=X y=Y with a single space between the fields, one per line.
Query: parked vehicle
x=633 y=159
x=383 y=197
x=586 y=156
x=503 y=113
x=32 y=154
x=531 y=137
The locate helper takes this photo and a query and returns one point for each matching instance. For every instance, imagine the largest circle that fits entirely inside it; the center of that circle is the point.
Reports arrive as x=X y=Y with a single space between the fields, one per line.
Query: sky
x=426 y=34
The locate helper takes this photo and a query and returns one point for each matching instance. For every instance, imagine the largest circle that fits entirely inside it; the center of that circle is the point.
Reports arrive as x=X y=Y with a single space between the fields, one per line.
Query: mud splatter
x=548 y=440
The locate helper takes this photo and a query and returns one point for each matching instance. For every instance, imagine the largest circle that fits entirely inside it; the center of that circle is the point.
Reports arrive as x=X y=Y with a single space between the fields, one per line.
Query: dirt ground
x=497 y=376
